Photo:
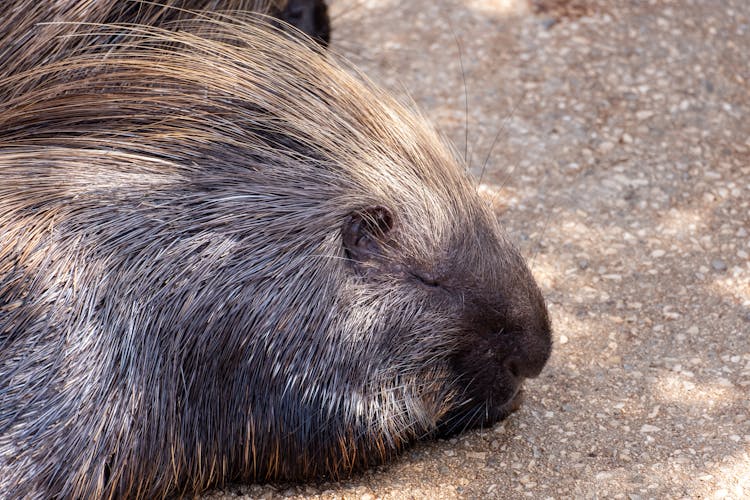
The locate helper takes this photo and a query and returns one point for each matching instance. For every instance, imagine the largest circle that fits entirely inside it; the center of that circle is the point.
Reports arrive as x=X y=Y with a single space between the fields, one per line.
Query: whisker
x=467 y=160
x=503 y=129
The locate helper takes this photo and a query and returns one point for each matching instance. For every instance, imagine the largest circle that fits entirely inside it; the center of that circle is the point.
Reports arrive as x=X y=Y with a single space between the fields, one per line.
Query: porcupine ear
x=365 y=232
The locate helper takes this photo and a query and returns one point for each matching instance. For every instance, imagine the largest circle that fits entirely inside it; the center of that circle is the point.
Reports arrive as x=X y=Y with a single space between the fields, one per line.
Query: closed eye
x=427 y=281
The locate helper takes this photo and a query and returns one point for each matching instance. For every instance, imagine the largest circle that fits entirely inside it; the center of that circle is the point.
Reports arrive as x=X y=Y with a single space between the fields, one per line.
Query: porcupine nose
x=533 y=349
x=537 y=337
x=521 y=367
x=531 y=341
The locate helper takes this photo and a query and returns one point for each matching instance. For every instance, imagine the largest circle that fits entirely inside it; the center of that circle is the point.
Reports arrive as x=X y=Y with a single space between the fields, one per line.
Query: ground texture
x=616 y=140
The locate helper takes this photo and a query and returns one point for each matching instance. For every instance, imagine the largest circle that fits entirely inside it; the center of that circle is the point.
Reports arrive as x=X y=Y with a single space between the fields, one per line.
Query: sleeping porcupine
x=224 y=257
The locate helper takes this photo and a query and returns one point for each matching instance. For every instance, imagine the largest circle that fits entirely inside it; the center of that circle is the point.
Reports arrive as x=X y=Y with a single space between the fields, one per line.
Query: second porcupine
x=235 y=261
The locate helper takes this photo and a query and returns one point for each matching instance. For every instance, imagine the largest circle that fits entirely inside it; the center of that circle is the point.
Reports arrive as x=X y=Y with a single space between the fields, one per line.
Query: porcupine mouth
x=510 y=406
x=495 y=413
x=478 y=415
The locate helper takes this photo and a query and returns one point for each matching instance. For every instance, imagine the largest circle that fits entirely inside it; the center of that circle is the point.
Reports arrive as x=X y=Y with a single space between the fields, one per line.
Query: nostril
x=521 y=367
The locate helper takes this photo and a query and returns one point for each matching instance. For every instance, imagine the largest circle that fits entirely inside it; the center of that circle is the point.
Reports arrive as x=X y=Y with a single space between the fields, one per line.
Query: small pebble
x=549 y=22
x=649 y=428
x=644 y=115
x=719 y=265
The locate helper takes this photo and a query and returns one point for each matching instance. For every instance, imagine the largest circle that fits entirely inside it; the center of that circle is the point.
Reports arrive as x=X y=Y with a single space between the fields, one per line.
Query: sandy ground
x=621 y=166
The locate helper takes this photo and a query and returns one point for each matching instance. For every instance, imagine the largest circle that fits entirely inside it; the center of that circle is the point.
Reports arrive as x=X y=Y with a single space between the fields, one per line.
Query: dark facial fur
x=502 y=316
x=223 y=257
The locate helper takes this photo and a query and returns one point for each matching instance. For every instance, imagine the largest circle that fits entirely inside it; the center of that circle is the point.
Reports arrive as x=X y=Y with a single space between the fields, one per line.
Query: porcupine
x=224 y=257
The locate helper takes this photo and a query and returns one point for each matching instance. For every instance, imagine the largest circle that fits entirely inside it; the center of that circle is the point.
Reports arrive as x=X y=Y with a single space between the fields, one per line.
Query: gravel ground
x=613 y=138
